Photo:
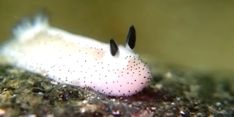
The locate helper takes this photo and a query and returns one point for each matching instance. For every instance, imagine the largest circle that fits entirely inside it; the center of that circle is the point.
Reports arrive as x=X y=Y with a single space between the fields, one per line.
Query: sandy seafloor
x=174 y=92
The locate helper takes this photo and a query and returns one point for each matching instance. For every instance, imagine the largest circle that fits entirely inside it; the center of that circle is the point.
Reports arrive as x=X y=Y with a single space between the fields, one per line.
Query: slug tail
x=28 y=27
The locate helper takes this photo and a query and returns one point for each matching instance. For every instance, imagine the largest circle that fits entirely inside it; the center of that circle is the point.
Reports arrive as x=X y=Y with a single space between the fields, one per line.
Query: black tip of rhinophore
x=113 y=47
x=131 y=38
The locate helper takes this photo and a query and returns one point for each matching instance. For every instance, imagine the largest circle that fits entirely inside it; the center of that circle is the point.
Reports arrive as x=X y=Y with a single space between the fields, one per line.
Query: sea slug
x=108 y=68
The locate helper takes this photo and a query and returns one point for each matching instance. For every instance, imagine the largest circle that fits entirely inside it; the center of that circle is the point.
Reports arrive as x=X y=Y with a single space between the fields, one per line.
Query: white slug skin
x=76 y=60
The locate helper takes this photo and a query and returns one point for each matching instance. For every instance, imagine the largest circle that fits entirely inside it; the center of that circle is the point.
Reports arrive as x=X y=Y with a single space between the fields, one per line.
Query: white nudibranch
x=108 y=68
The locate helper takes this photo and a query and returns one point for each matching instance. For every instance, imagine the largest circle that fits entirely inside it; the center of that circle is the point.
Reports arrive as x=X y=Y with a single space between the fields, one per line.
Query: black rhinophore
x=113 y=47
x=131 y=38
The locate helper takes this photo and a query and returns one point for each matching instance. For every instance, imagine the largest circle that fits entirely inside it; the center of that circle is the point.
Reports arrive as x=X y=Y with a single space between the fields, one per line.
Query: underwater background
x=195 y=33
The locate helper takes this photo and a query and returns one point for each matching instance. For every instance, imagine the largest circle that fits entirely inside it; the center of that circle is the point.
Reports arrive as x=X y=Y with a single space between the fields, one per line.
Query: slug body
x=108 y=68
